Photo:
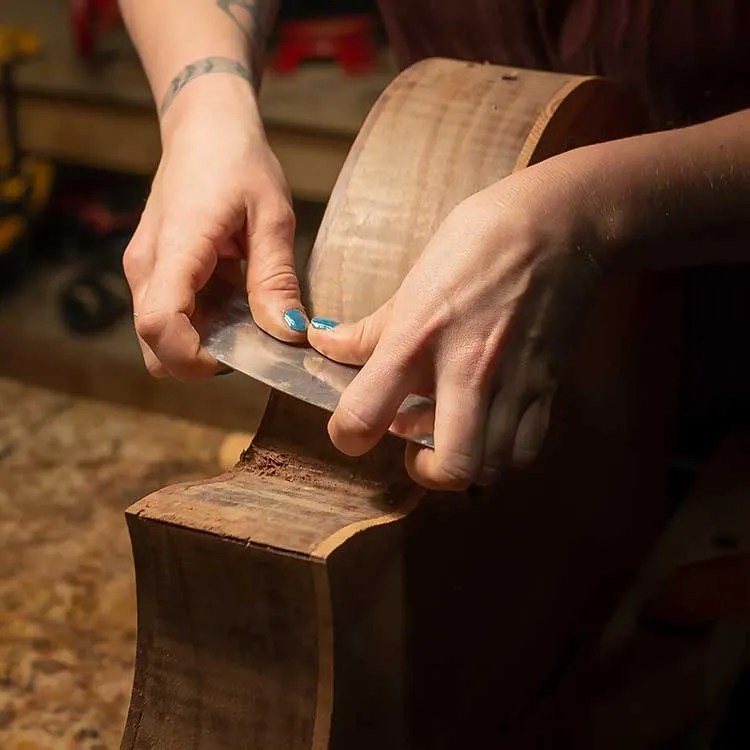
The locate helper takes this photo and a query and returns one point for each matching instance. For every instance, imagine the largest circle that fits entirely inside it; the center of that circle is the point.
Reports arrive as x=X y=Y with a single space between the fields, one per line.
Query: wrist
x=219 y=99
x=597 y=192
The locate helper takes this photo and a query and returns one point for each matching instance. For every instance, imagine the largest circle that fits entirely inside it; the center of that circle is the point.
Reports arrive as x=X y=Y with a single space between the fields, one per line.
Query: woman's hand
x=484 y=321
x=218 y=197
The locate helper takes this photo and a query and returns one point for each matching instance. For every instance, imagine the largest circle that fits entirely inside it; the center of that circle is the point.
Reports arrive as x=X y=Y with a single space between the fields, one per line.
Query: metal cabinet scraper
x=230 y=334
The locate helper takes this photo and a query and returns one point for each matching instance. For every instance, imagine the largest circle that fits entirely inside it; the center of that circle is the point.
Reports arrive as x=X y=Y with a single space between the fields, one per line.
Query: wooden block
x=264 y=602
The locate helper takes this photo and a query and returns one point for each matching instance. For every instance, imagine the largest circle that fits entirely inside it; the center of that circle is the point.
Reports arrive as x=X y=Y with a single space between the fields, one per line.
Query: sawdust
x=350 y=476
x=268 y=462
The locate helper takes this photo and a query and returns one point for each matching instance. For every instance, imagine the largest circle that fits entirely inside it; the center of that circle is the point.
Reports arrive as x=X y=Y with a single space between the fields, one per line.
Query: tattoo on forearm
x=201 y=68
x=255 y=10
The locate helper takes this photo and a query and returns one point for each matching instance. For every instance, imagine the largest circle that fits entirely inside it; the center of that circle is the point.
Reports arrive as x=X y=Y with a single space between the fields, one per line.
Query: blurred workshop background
x=77 y=106
x=84 y=430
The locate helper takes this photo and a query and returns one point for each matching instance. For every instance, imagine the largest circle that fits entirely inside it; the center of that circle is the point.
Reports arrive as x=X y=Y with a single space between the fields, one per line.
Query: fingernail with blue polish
x=323 y=324
x=295 y=320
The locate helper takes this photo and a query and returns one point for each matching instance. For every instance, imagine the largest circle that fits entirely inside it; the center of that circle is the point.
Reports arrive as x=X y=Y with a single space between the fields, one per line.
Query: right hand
x=219 y=196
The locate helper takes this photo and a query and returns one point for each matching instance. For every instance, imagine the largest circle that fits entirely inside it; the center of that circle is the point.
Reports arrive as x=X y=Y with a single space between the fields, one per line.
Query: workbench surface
x=68 y=469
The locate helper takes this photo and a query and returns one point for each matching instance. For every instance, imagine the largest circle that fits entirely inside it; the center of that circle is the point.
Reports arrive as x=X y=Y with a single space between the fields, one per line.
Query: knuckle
x=363 y=339
x=467 y=372
x=439 y=313
x=189 y=268
x=500 y=443
x=353 y=421
x=523 y=456
x=187 y=226
x=476 y=366
x=537 y=386
x=455 y=470
x=150 y=326
x=280 y=278
x=277 y=218
x=170 y=235
x=134 y=263
x=154 y=367
x=174 y=236
x=543 y=373
x=530 y=377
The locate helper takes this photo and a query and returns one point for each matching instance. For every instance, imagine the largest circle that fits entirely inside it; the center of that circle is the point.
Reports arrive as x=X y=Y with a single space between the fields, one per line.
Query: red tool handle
x=91 y=19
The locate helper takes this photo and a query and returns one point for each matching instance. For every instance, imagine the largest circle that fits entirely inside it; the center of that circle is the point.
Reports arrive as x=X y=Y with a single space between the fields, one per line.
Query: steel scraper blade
x=230 y=334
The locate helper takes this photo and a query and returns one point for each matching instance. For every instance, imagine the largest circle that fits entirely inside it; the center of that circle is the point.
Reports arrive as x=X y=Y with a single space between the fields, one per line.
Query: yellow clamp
x=17 y=44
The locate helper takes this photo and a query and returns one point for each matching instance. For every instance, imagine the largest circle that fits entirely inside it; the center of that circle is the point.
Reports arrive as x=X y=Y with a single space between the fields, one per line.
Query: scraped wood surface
x=442 y=131
x=437 y=620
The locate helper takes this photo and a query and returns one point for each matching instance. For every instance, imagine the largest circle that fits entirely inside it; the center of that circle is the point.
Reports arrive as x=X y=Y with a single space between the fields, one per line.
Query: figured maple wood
x=442 y=131
x=308 y=600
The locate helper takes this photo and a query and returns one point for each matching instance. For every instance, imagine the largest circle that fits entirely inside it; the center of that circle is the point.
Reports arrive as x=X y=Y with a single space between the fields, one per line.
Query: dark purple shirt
x=689 y=58
x=690 y=61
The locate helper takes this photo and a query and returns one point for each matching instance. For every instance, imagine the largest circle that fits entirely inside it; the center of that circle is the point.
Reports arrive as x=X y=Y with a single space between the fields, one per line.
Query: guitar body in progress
x=306 y=600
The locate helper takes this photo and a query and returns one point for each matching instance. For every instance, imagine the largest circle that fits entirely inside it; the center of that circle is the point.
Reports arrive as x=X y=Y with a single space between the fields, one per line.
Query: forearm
x=180 y=41
x=678 y=197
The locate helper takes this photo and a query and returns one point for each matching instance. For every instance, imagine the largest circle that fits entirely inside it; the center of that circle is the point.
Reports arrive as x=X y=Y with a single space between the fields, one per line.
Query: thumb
x=349 y=343
x=272 y=286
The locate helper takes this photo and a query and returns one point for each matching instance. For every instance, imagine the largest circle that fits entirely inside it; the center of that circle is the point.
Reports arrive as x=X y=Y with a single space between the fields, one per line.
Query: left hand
x=484 y=321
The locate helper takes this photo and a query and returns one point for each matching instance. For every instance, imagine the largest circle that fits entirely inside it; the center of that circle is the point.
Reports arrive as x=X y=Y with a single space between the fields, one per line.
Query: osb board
x=68 y=469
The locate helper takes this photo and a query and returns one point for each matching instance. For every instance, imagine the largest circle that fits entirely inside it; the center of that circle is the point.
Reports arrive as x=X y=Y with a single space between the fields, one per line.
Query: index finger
x=163 y=313
x=370 y=403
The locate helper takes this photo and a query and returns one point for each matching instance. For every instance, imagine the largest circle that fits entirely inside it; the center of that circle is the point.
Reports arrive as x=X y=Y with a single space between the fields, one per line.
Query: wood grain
x=438 y=621
x=442 y=131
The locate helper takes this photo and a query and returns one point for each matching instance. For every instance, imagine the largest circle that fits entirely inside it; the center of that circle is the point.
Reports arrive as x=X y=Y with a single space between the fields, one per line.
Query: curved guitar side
x=307 y=600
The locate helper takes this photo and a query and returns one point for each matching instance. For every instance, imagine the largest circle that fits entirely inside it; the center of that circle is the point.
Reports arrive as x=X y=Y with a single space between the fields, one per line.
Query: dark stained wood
x=421 y=621
x=215 y=615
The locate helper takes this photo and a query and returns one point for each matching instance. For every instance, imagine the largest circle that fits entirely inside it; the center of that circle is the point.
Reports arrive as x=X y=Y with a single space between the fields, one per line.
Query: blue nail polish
x=323 y=324
x=296 y=320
